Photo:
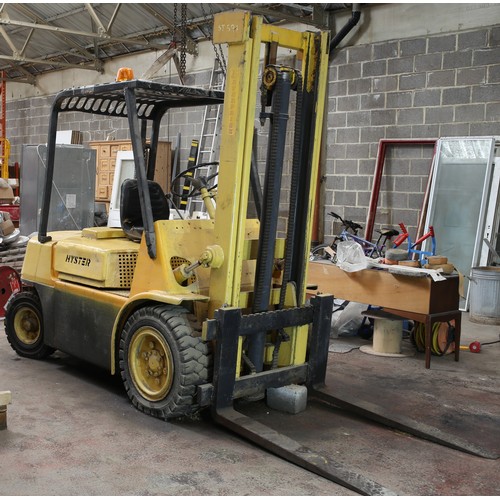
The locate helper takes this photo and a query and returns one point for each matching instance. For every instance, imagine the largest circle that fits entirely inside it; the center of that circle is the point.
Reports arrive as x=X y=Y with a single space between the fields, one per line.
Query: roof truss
x=40 y=37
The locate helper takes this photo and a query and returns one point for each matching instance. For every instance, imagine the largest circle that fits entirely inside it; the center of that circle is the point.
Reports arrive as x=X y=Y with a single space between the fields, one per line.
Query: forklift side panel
x=78 y=325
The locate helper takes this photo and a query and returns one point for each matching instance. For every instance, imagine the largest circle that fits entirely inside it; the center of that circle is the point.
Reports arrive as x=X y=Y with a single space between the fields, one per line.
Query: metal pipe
x=355 y=17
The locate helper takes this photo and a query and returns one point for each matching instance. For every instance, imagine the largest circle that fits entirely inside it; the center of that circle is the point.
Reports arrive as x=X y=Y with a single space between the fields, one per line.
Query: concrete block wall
x=28 y=122
x=413 y=85
x=422 y=87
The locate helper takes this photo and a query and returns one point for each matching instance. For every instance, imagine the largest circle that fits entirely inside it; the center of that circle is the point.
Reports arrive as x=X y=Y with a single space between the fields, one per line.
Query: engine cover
x=103 y=259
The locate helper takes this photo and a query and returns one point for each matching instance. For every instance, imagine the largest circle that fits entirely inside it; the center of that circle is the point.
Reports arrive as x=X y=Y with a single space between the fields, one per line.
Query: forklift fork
x=226 y=388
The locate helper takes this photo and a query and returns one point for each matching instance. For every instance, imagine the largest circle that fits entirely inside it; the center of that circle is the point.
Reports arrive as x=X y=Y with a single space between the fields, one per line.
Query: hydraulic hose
x=294 y=184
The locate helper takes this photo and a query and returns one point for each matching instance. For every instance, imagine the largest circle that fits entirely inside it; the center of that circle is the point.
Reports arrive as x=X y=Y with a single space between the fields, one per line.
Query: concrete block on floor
x=290 y=398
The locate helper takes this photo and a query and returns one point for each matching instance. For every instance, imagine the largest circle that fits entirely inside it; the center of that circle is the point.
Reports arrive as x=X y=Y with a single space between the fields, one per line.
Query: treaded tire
x=162 y=363
x=24 y=326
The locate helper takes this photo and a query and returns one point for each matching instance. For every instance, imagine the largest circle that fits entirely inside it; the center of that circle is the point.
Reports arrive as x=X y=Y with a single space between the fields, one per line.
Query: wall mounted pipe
x=345 y=30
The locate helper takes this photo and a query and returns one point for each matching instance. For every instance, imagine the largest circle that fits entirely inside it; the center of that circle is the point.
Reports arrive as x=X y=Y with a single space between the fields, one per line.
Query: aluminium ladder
x=209 y=138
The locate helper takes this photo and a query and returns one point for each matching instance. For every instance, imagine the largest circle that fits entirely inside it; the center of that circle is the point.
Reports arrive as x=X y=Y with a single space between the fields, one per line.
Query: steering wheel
x=196 y=183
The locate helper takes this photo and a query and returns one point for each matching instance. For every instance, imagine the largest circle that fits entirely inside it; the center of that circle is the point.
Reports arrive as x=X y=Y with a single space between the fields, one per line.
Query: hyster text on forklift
x=198 y=313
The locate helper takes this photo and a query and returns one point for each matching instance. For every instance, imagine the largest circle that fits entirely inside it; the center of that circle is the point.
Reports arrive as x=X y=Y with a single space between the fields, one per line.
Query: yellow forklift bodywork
x=101 y=263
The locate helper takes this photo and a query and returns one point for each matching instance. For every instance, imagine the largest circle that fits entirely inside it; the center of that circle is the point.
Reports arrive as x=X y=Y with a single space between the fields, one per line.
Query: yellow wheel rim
x=151 y=364
x=27 y=325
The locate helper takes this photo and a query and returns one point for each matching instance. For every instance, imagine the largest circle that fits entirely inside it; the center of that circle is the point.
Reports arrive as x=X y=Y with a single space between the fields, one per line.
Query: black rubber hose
x=292 y=211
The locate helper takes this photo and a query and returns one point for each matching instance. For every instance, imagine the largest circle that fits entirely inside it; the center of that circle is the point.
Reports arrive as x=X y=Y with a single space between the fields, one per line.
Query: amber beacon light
x=125 y=74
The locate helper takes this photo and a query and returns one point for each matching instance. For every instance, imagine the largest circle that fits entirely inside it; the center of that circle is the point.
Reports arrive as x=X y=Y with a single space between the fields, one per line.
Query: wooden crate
x=383 y=289
x=106 y=162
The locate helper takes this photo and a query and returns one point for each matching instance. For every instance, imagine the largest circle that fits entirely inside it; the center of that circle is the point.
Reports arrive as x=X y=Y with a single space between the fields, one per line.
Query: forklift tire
x=24 y=326
x=161 y=362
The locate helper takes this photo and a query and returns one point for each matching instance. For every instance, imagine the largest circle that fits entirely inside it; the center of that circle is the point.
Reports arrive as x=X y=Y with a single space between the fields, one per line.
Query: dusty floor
x=72 y=431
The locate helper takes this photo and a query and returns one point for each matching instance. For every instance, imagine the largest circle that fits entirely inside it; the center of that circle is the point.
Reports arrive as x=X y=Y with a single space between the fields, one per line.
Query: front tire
x=24 y=326
x=161 y=362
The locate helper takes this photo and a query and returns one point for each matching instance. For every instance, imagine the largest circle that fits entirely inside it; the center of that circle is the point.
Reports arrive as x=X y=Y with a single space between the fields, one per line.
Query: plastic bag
x=348 y=320
x=350 y=256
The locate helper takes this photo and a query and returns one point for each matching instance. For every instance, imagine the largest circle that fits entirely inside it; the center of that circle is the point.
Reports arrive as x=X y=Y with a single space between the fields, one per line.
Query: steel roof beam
x=17 y=53
x=45 y=62
x=93 y=14
x=26 y=42
x=29 y=77
x=113 y=17
x=101 y=36
x=275 y=13
x=83 y=52
x=30 y=81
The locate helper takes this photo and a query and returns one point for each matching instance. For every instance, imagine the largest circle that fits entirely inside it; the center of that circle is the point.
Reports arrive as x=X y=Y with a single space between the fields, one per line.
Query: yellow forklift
x=199 y=313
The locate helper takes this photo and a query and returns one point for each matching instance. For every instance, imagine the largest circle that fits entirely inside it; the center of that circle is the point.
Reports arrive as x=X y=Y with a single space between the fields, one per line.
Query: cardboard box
x=6 y=194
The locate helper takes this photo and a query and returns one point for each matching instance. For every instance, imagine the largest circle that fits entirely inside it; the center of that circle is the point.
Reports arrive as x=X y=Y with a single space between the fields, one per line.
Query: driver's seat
x=130 y=207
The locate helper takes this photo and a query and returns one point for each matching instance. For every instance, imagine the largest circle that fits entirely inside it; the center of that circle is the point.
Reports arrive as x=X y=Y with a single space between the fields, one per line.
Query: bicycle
x=412 y=245
x=328 y=251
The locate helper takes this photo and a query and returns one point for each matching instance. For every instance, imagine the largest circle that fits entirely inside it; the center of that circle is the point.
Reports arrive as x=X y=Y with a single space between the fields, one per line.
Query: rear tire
x=161 y=362
x=24 y=326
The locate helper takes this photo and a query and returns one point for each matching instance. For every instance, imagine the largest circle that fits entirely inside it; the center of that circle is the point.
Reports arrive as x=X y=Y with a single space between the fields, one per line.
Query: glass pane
x=457 y=201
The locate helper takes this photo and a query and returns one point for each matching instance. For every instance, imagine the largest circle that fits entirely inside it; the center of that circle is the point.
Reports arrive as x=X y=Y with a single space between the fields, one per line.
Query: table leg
x=428 y=335
x=458 y=330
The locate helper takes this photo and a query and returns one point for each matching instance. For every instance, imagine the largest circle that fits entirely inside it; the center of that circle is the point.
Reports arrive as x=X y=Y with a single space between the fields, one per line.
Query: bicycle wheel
x=323 y=252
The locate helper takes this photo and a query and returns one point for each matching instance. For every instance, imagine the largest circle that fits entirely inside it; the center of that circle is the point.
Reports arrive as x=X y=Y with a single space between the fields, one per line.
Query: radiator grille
x=126 y=266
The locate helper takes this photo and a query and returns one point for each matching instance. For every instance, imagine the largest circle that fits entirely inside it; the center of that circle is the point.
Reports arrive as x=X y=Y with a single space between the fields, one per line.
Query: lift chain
x=218 y=56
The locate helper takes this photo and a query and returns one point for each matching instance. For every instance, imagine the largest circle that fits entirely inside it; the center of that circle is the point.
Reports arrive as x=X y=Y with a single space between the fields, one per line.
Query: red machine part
x=10 y=283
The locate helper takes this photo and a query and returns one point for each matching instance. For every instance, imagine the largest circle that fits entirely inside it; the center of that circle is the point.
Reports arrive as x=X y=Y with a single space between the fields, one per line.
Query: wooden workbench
x=418 y=298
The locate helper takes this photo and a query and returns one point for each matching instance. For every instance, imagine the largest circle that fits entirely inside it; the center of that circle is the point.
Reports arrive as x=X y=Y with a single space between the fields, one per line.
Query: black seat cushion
x=130 y=207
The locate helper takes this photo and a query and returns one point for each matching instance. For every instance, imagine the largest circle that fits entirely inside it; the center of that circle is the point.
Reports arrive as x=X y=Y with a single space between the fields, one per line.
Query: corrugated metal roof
x=39 y=37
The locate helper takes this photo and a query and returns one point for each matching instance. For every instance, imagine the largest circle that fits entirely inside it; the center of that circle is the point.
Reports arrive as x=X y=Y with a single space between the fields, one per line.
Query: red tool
x=475 y=346
x=472 y=347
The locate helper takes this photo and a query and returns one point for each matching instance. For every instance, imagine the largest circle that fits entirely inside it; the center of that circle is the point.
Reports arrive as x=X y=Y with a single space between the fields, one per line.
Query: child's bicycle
x=412 y=250
x=328 y=251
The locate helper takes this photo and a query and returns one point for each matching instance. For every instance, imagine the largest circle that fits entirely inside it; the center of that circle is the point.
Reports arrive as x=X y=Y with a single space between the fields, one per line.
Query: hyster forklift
x=199 y=313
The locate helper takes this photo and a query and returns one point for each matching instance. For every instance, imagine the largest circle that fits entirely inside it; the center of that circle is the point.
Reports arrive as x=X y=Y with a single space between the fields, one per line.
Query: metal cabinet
x=72 y=199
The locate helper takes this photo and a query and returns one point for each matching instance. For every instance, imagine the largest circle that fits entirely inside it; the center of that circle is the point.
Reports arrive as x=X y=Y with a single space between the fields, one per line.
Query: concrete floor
x=72 y=431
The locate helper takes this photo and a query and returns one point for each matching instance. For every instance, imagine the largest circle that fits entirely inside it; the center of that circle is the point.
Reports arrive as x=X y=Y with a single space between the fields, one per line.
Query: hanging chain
x=174 y=25
x=219 y=57
x=222 y=59
x=183 y=39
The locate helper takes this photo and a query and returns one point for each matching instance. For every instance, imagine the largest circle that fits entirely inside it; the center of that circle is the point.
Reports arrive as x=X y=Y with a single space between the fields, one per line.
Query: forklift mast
x=245 y=35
